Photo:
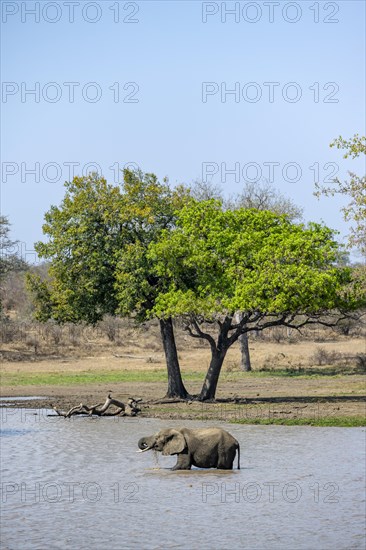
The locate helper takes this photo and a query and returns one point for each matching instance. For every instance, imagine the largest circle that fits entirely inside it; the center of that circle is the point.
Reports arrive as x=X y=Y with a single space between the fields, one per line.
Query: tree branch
x=131 y=409
x=199 y=333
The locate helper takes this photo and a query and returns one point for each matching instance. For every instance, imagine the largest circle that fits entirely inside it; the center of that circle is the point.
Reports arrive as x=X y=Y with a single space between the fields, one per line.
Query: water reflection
x=79 y=483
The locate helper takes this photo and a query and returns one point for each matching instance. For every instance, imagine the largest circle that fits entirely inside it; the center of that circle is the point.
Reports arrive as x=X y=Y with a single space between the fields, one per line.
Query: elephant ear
x=175 y=443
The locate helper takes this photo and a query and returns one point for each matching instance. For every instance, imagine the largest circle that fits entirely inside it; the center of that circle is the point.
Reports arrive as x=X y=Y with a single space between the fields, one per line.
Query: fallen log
x=101 y=409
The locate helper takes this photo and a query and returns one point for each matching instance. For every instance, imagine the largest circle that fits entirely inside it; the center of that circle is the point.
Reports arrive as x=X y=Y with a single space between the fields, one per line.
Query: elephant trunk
x=145 y=444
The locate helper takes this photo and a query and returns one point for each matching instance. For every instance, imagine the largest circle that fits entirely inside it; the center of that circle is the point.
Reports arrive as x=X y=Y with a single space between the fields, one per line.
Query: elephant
x=201 y=447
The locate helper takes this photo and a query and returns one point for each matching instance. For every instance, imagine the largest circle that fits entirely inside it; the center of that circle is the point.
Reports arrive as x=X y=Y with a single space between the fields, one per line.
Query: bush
x=53 y=333
x=323 y=357
x=361 y=361
x=110 y=327
x=8 y=330
x=272 y=361
x=32 y=341
x=75 y=333
x=278 y=335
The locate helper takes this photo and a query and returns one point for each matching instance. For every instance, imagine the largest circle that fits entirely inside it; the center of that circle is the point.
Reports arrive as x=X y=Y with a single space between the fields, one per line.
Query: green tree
x=217 y=262
x=83 y=234
x=261 y=196
x=149 y=208
x=97 y=243
x=354 y=189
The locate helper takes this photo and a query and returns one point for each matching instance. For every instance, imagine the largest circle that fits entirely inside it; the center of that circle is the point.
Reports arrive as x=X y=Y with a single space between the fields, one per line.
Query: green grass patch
x=157 y=375
x=88 y=377
x=302 y=373
x=330 y=421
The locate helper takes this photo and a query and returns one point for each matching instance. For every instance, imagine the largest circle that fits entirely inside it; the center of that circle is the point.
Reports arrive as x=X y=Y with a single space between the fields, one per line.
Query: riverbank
x=251 y=398
x=289 y=389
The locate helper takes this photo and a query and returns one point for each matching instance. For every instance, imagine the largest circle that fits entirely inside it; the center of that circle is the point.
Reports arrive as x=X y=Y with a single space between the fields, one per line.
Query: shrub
x=361 y=361
x=53 y=333
x=321 y=356
x=110 y=327
x=32 y=342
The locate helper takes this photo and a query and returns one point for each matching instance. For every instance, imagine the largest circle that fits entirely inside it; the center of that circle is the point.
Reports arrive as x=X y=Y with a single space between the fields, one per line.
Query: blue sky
x=172 y=117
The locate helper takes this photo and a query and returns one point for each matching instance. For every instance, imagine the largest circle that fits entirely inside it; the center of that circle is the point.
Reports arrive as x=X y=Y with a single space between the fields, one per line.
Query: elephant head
x=168 y=442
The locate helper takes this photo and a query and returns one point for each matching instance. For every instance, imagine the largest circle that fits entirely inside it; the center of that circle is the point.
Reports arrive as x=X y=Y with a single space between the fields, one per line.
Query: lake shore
x=290 y=391
x=265 y=400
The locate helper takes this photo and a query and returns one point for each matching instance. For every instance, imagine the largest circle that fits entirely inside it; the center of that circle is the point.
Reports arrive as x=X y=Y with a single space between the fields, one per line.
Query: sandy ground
x=241 y=396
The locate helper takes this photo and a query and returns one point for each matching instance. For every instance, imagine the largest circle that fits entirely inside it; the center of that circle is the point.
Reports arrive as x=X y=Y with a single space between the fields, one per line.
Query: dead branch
x=101 y=409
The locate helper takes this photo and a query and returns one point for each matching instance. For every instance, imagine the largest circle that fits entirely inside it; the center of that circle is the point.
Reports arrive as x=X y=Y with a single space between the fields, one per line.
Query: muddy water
x=79 y=484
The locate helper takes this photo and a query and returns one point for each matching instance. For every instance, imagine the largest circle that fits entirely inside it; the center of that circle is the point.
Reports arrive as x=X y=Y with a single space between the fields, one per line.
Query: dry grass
x=119 y=344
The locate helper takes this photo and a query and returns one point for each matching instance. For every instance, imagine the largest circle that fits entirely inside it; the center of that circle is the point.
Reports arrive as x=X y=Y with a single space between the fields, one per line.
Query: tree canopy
x=83 y=235
x=216 y=262
x=219 y=262
x=261 y=196
x=96 y=243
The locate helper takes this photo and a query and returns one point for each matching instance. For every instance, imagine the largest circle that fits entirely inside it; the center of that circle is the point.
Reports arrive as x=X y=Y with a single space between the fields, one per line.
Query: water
x=78 y=484
x=23 y=398
x=7 y=401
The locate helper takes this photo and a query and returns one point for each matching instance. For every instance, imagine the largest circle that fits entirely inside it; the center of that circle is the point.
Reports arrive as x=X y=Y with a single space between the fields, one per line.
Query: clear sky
x=149 y=83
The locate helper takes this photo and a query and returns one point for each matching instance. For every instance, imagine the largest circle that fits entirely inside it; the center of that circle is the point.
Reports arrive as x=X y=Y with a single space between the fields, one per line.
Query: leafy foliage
x=353 y=147
x=97 y=239
x=218 y=262
x=83 y=234
x=147 y=208
x=354 y=188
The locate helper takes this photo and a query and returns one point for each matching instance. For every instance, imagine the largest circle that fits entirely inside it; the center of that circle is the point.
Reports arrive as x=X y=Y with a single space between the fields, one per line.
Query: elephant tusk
x=144 y=450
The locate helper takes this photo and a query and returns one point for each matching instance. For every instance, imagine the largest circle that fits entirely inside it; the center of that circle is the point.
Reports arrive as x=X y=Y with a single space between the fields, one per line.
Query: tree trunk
x=175 y=383
x=244 y=347
x=212 y=377
x=245 y=355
